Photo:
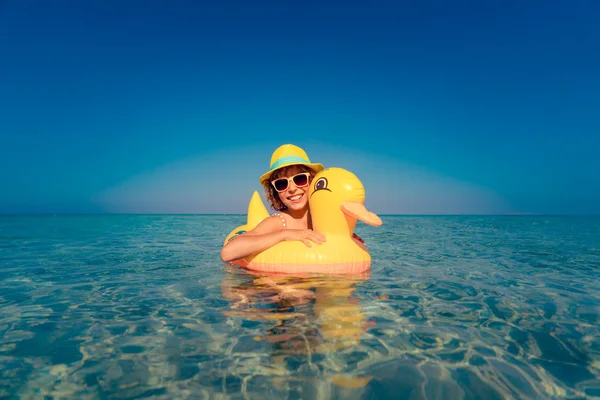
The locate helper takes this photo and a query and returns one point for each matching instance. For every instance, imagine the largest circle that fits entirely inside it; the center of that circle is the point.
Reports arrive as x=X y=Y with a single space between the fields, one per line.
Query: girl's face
x=295 y=195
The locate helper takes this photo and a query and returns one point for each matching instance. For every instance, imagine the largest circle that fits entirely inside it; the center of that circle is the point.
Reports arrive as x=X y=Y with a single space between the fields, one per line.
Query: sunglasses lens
x=301 y=180
x=280 y=184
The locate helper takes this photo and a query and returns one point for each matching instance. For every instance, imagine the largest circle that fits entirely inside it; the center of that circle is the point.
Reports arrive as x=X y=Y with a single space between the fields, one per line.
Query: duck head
x=336 y=199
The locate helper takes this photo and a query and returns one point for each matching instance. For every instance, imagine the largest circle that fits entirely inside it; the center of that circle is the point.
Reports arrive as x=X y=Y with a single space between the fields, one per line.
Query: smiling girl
x=286 y=187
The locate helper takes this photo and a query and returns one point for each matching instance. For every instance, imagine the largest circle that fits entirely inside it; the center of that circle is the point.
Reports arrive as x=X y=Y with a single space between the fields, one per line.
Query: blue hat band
x=289 y=159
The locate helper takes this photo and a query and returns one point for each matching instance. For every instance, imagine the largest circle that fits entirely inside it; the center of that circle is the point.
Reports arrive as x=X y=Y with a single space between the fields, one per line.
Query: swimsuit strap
x=282 y=219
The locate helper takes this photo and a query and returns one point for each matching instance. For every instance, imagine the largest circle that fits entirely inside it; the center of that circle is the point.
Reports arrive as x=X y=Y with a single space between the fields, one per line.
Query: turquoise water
x=454 y=307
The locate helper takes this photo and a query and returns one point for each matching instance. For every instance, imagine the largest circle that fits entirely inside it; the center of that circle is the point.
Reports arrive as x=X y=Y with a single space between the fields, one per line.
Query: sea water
x=131 y=307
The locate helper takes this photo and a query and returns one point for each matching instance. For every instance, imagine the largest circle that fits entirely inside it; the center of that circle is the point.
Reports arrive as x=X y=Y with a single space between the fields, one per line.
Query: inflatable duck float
x=336 y=201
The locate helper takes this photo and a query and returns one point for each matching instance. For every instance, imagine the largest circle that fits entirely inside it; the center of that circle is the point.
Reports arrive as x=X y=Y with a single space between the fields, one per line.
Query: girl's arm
x=266 y=234
x=263 y=236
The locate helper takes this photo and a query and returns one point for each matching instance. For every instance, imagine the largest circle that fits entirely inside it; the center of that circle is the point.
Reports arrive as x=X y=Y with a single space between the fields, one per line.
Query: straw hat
x=289 y=154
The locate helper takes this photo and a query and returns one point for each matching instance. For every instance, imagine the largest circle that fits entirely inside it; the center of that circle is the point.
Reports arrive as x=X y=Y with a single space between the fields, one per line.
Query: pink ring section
x=337 y=268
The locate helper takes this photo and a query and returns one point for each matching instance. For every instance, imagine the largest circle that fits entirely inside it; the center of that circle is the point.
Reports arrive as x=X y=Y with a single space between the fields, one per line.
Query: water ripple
x=454 y=307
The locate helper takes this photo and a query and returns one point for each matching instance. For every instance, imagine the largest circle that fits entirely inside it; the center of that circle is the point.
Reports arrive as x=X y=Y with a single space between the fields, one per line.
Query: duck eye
x=321 y=184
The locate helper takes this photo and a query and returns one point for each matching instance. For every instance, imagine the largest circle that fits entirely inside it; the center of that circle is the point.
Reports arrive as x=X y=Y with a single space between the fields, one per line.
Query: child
x=286 y=187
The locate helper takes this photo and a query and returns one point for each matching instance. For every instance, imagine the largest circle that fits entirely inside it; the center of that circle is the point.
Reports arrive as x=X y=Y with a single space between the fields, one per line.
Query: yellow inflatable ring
x=336 y=201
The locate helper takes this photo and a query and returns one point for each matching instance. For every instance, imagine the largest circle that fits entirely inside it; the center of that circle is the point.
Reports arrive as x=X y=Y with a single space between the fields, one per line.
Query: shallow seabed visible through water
x=125 y=307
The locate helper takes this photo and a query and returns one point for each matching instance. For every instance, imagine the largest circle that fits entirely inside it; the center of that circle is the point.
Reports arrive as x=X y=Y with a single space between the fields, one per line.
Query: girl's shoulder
x=272 y=223
x=280 y=218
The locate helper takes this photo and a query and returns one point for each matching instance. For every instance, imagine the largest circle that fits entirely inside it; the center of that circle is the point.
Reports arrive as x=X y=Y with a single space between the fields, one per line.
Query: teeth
x=296 y=197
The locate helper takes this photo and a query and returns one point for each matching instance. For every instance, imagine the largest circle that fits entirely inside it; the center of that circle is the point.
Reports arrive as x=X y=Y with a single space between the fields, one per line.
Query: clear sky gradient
x=175 y=106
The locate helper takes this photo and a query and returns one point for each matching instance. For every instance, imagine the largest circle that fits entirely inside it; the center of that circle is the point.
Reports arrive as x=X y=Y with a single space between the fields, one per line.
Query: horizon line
x=245 y=214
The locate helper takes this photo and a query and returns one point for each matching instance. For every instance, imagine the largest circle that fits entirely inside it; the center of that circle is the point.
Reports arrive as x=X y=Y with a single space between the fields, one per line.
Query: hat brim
x=317 y=167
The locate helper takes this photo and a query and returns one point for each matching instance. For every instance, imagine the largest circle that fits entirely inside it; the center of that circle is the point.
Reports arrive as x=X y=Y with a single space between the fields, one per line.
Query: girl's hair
x=271 y=193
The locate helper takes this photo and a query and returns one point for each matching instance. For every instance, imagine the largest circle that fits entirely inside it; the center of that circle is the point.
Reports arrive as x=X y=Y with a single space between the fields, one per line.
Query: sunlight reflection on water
x=454 y=307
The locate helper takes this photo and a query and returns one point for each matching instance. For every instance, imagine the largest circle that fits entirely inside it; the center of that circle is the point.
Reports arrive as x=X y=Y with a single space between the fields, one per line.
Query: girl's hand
x=304 y=235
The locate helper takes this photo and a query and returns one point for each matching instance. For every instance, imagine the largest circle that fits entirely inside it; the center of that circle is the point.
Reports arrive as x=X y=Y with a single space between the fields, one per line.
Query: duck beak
x=358 y=211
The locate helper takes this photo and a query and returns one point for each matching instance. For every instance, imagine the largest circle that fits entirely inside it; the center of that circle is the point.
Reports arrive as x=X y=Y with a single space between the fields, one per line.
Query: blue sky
x=438 y=106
